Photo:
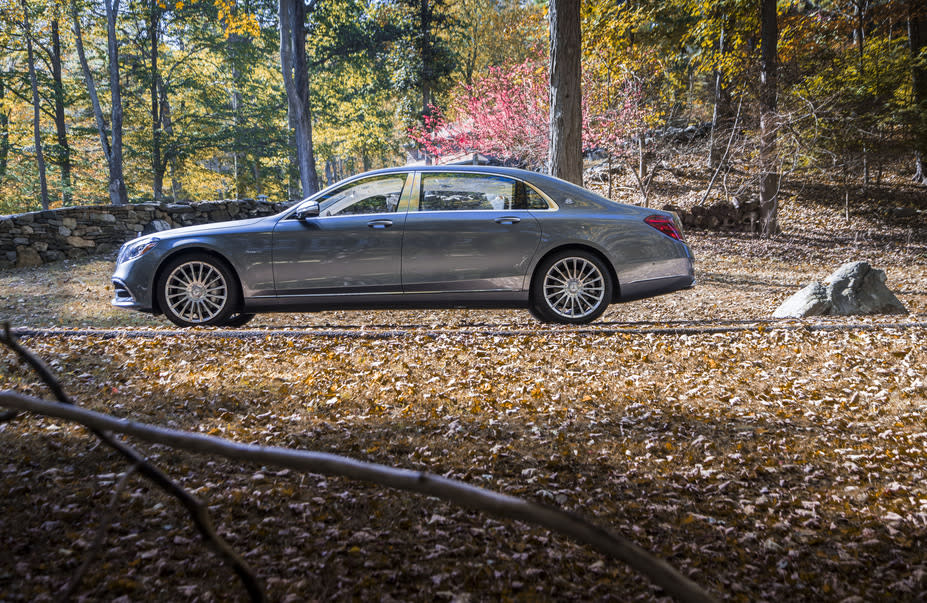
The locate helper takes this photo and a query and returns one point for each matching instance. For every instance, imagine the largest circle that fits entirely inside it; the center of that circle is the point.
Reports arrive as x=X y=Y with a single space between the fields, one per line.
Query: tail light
x=667 y=225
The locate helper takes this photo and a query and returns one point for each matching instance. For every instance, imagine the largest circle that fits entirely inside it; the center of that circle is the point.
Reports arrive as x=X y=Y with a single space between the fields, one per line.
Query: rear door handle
x=507 y=220
x=380 y=223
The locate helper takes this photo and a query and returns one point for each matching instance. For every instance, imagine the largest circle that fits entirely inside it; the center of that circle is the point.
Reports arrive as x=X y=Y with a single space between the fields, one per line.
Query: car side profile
x=413 y=237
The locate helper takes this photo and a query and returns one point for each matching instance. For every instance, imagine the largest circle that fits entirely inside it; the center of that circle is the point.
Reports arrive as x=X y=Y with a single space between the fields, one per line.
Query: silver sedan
x=413 y=237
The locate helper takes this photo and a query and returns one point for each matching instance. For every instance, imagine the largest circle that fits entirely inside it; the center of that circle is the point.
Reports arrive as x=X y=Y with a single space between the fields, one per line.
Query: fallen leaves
x=771 y=464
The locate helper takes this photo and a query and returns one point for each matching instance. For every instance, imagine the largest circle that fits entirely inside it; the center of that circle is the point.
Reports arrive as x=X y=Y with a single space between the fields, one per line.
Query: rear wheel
x=198 y=290
x=572 y=287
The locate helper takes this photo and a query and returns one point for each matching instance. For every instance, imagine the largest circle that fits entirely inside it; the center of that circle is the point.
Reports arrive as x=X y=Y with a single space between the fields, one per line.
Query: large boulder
x=854 y=288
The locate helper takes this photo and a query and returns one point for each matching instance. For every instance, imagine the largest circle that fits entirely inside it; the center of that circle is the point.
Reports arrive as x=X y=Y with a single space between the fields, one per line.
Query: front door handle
x=380 y=223
x=507 y=220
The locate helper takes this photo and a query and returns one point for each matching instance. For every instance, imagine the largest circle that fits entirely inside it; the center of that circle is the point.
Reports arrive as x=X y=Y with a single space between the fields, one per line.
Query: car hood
x=207 y=228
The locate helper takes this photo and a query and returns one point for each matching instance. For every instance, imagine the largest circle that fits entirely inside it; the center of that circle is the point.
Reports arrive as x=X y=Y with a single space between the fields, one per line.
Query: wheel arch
x=612 y=273
x=193 y=251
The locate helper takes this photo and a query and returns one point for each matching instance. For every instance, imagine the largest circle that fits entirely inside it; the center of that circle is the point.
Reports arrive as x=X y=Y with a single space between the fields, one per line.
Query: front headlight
x=136 y=249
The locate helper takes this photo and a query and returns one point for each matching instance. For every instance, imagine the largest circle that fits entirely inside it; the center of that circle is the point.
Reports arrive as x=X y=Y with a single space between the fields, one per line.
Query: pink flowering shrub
x=506 y=114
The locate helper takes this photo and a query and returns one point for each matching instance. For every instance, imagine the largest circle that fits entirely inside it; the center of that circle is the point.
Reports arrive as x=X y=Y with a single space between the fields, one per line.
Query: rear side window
x=462 y=192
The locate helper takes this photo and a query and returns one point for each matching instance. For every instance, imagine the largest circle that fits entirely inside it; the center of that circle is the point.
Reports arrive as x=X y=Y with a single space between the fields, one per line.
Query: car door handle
x=380 y=223
x=507 y=220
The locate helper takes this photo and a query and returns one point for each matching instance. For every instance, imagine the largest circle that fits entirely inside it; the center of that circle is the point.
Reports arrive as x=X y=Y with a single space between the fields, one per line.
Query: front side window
x=461 y=192
x=376 y=195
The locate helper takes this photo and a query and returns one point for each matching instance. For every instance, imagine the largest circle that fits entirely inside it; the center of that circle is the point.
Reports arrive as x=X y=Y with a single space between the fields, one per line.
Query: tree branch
x=197 y=511
x=613 y=545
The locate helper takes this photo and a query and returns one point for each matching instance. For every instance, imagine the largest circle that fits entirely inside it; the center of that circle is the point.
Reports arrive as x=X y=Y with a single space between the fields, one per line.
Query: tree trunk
x=63 y=150
x=768 y=159
x=917 y=36
x=36 y=123
x=112 y=153
x=565 y=157
x=425 y=15
x=237 y=156
x=4 y=134
x=117 y=183
x=170 y=156
x=296 y=82
x=721 y=113
x=258 y=188
x=157 y=185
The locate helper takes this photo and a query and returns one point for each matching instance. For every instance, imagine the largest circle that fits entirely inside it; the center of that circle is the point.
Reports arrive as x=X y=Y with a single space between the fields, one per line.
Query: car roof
x=548 y=184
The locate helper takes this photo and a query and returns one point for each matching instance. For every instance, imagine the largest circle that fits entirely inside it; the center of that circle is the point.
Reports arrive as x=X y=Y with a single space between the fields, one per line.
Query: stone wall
x=39 y=237
x=720 y=216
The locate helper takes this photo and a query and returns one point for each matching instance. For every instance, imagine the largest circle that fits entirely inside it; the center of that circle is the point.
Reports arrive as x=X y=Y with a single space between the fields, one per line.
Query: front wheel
x=572 y=287
x=197 y=290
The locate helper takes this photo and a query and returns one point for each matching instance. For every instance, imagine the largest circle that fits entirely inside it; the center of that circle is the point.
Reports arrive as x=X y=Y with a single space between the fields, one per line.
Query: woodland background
x=205 y=112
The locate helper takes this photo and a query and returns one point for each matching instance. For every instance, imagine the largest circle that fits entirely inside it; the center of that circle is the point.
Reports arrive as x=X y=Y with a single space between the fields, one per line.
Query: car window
x=534 y=200
x=375 y=195
x=458 y=192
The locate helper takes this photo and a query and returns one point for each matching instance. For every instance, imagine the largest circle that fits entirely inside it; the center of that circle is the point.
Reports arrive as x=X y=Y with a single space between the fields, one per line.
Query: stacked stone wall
x=35 y=238
x=720 y=216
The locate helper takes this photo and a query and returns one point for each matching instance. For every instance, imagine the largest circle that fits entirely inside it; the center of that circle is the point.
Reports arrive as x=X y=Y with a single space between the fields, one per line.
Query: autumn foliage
x=506 y=114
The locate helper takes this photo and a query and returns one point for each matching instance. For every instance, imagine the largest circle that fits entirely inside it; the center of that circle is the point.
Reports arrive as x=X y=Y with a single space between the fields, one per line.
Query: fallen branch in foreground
x=659 y=572
x=198 y=512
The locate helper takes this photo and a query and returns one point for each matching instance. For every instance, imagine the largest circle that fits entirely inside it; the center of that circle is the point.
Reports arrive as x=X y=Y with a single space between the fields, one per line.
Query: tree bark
x=36 y=122
x=565 y=157
x=157 y=184
x=917 y=37
x=4 y=134
x=292 y=15
x=768 y=156
x=63 y=150
x=721 y=113
x=425 y=17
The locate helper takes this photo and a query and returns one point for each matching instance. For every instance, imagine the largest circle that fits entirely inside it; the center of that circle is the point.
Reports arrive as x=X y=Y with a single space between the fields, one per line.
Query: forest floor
x=767 y=460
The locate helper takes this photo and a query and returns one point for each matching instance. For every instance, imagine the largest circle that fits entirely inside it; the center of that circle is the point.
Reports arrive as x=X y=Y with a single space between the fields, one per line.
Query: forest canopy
x=204 y=112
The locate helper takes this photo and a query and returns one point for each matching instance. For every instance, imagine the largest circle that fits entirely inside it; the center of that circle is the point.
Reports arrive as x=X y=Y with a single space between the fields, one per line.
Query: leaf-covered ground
x=771 y=461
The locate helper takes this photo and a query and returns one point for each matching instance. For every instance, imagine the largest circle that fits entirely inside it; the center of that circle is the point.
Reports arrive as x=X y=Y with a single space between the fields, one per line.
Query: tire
x=239 y=320
x=571 y=287
x=198 y=290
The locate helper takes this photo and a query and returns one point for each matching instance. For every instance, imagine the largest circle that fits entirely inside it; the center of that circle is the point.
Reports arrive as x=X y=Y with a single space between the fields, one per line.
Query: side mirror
x=307 y=210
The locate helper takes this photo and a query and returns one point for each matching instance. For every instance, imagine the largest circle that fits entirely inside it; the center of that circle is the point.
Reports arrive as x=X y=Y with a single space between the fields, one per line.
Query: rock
x=853 y=289
x=810 y=301
x=27 y=258
x=155 y=226
x=79 y=242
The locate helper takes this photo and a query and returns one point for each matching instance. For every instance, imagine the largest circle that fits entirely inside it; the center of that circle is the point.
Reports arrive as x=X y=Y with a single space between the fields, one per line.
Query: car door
x=352 y=247
x=465 y=232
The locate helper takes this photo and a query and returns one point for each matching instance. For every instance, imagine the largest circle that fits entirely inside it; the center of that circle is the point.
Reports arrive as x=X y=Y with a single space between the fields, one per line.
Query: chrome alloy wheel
x=196 y=291
x=574 y=287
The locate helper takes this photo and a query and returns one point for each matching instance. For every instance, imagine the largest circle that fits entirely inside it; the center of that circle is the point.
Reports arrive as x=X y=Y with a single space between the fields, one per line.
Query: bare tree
x=768 y=156
x=565 y=158
x=111 y=151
